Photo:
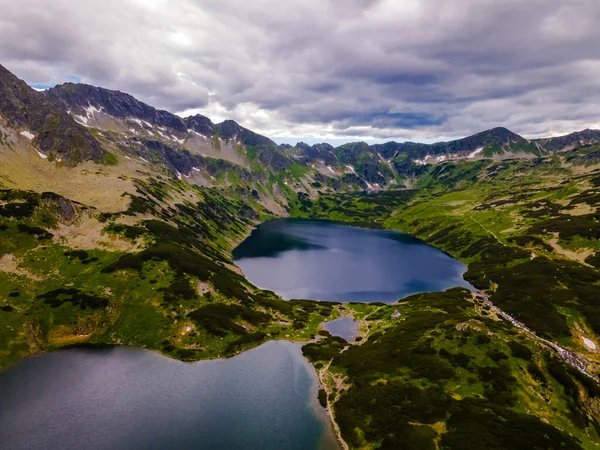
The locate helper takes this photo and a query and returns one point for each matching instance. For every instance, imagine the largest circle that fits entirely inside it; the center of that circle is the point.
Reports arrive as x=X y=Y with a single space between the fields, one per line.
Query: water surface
x=325 y=261
x=344 y=327
x=126 y=398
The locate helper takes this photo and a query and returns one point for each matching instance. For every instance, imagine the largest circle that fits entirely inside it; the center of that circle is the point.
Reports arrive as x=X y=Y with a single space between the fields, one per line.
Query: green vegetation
x=178 y=293
x=449 y=374
x=442 y=377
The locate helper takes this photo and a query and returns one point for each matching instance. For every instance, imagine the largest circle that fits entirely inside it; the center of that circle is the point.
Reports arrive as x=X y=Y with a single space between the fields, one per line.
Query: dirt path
x=323 y=375
x=486 y=229
x=575 y=360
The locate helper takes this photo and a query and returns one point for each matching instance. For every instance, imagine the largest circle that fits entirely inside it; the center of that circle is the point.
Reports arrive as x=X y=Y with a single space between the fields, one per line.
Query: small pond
x=344 y=327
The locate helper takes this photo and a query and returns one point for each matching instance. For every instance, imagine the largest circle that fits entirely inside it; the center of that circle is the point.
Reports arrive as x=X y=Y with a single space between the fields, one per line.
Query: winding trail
x=322 y=375
x=487 y=230
x=575 y=360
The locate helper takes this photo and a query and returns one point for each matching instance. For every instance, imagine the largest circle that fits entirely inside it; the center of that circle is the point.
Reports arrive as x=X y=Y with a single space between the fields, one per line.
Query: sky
x=326 y=70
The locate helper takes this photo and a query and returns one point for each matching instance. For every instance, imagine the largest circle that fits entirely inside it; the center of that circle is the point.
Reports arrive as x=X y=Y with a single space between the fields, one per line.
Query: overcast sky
x=326 y=70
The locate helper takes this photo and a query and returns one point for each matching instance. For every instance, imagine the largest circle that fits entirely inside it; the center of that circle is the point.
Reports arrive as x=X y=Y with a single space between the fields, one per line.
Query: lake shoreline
x=286 y=369
x=329 y=410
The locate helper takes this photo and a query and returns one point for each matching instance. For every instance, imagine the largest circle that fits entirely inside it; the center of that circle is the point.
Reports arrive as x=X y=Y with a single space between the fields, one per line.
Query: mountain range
x=74 y=122
x=118 y=222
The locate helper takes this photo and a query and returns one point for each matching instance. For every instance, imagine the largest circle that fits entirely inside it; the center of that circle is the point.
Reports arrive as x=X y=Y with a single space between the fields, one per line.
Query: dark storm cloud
x=385 y=69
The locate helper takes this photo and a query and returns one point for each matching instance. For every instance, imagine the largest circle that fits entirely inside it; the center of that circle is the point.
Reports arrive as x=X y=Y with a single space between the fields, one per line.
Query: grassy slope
x=158 y=274
x=445 y=373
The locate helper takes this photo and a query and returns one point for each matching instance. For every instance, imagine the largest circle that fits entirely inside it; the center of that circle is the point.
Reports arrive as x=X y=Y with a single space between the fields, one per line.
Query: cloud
x=330 y=69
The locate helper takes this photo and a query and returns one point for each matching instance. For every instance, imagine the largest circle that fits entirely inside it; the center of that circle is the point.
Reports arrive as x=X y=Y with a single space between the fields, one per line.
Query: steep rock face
x=115 y=103
x=55 y=131
x=124 y=106
x=352 y=152
x=200 y=124
x=499 y=139
x=273 y=159
x=309 y=153
x=230 y=129
x=585 y=137
x=392 y=149
x=183 y=163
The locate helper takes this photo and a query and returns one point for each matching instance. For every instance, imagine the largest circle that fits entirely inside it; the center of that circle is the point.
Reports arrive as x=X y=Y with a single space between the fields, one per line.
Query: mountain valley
x=118 y=221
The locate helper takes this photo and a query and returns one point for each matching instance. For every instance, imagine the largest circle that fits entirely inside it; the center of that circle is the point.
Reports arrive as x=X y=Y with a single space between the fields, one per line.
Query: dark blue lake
x=325 y=261
x=127 y=398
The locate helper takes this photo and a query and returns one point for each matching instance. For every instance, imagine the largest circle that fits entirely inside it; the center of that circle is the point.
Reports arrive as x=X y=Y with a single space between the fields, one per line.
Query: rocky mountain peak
x=53 y=130
x=115 y=103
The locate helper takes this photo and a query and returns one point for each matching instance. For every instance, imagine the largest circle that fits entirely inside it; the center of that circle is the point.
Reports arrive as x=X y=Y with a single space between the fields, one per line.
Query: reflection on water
x=125 y=398
x=325 y=261
x=344 y=327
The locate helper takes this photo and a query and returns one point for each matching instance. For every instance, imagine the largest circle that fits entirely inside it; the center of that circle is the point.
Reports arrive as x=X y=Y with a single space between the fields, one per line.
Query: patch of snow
x=179 y=175
x=89 y=113
x=90 y=110
x=150 y=133
x=196 y=169
x=27 y=134
x=138 y=121
x=441 y=158
x=351 y=169
x=474 y=153
x=162 y=134
x=198 y=134
x=81 y=120
x=330 y=169
x=42 y=155
x=133 y=131
x=145 y=160
x=420 y=162
x=148 y=124
x=127 y=157
x=59 y=160
x=589 y=344
x=180 y=141
x=370 y=186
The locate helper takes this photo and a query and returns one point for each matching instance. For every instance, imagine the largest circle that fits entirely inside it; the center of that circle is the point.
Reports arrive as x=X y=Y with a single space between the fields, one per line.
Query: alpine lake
x=264 y=398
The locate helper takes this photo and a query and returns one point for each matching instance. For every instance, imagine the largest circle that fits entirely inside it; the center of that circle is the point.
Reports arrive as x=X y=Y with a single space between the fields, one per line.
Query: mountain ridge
x=494 y=141
x=116 y=122
x=49 y=127
x=123 y=105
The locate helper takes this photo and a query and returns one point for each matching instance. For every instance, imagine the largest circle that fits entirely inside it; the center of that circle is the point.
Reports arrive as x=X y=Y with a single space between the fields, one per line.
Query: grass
x=445 y=371
x=498 y=218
